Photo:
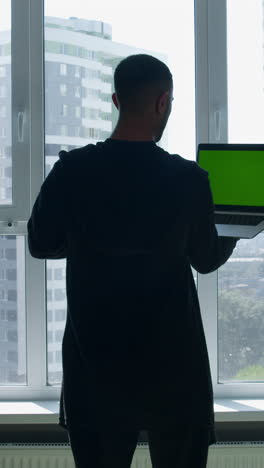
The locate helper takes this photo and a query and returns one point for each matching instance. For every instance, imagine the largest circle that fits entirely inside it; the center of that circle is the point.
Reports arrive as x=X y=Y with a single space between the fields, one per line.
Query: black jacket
x=131 y=219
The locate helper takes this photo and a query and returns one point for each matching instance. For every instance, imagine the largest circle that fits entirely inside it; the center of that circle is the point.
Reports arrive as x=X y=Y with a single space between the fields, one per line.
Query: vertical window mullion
x=37 y=376
x=211 y=127
x=20 y=111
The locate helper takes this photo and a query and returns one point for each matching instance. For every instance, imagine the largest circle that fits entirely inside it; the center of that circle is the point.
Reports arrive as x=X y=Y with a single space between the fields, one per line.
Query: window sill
x=46 y=412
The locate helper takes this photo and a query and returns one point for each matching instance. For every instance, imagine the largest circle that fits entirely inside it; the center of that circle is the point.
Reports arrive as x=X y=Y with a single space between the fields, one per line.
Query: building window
x=93 y=132
x=11 y=274
x=77 y=71
x=64 y=110
x=3 y=295
x=59 y=294
x=3 y=132
x=77 y=91
x=58 y=335
x=60 y=315
x=12 y=315
x=2 y=275
x=3 y=111
x=3 y=317
x=10 y=254
x=63 y=69
x=12 y=356
x=63 y=89
x=12 y=335
x=59 y=274
x=77 y=131
x=12 y=294
x=3 y=335
x=2 y=91
x=63 y=130
x=77 y=112
x=2 y=72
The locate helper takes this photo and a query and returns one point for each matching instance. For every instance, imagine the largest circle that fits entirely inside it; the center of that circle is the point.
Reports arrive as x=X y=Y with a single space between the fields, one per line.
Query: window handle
x=20 y=126
x=217 y=119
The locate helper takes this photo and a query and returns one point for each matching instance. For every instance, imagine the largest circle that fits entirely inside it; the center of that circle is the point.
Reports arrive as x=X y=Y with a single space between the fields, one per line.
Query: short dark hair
x=137 y=74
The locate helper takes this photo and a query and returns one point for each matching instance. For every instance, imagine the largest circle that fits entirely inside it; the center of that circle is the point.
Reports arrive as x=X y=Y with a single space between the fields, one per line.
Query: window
x=60 y=315
x=2 y=91
x=3 y=335
x=64 y=110
x=11 y=274
x=3 y=111
x=78 y=112
x=77 y=131
x=63 y=89
x=3 y=315
x=2 y=132
x=77 y=91
x=63 y=129
x=175 y=45
x=11 y=295
x=77 y=71
x=2 y=72
x=11 y=315
x=12 y=356
x=59 y=294
x=241 y=279
x=3 y=295
x=59 y=274
x=58 y=335
x=63 y=69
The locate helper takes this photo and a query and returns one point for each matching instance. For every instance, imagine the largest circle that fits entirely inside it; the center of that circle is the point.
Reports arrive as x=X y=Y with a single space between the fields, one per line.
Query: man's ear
x=162 y=102
x=115 y=101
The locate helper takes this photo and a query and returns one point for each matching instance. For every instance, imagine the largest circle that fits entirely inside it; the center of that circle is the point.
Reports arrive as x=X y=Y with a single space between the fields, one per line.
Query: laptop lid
x=236 y=173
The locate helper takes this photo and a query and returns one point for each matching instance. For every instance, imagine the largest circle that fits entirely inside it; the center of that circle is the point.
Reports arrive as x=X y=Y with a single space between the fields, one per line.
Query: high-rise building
x=80 y=58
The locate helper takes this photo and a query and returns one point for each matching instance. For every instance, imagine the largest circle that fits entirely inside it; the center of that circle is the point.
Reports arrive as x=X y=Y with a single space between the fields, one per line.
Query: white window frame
x=211 y=109
x=28 y=106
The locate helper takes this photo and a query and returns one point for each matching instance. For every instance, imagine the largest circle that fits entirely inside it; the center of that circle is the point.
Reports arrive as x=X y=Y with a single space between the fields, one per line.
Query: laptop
x=236 y=175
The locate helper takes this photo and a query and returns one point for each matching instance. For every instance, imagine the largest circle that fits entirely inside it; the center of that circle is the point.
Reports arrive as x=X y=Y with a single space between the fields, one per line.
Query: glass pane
x=5 y=104
x=83 y=45
x=240 y=313
x=12 y=311
x=56 y=315
x=245 y=41
x=240 y=280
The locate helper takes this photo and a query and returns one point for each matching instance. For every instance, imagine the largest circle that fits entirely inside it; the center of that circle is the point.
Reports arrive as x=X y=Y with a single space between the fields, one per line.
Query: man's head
x=143 y=92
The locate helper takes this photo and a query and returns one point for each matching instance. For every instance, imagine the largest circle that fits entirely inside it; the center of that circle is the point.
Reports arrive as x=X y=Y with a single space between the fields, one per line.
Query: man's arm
x=207 y=251
x=47 y=224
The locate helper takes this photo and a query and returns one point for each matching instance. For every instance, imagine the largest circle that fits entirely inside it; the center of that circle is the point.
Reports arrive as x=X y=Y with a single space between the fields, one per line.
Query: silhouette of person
x=131 y=219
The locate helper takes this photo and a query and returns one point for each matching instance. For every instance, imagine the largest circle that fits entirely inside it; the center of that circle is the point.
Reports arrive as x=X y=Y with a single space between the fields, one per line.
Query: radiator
x=221 y=455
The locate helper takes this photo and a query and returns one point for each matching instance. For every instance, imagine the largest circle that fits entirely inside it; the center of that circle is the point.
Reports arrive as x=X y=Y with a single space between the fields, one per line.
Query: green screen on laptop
x=236 y=175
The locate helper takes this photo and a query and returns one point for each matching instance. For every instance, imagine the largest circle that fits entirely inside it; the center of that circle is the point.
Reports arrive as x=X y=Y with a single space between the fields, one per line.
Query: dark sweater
x=131 y=219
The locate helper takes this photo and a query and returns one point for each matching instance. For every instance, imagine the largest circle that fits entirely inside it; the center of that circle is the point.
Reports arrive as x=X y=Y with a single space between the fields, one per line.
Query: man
x=131 y=218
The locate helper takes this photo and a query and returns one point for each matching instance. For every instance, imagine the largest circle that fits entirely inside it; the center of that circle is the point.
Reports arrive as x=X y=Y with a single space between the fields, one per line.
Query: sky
x=168 y=27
